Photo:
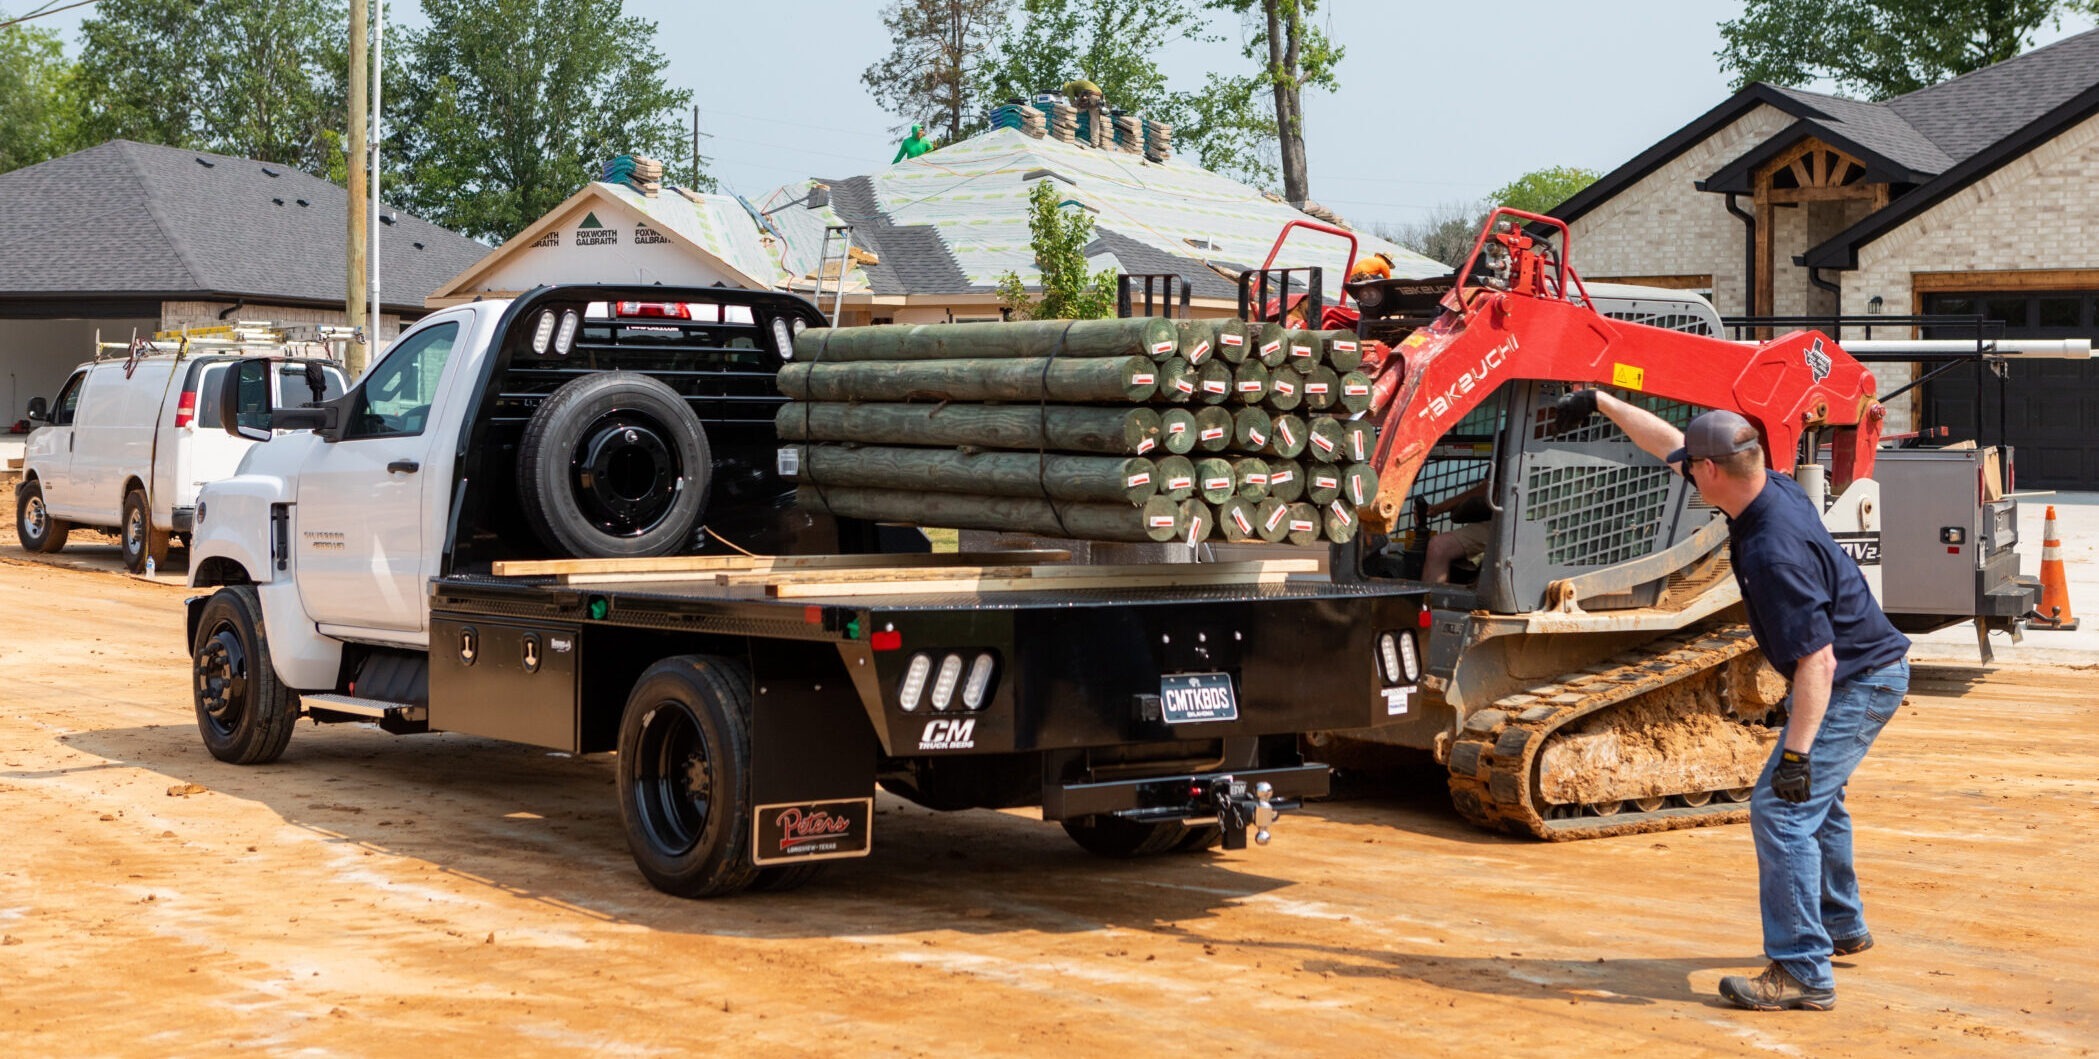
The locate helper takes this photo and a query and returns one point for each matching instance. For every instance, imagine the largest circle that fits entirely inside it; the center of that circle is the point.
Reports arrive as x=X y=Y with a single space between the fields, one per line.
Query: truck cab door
x=50 y=450
x=359 y=528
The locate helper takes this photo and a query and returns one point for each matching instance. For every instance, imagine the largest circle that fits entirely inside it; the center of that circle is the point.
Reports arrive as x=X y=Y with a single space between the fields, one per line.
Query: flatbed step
x=377 y=709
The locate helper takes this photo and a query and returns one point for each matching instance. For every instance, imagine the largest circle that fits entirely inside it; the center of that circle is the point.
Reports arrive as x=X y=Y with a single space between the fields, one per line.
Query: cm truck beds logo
x=1440 y=403
x=949 y=735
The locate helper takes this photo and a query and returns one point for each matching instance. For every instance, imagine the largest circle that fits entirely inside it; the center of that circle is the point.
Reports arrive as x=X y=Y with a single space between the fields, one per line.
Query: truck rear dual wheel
x=614 y=465
x=685 y=781
x=136 y=536
x=34 y=526
x=244 y=712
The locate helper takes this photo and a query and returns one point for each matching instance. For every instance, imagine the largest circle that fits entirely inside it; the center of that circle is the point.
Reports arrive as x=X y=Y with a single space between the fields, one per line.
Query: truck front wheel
x=684 y=776
x=244 y=712
x=34 y=526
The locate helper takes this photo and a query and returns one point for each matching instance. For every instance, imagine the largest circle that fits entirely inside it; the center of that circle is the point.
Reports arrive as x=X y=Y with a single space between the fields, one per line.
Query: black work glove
x=1792 y=779
x=1573 y=410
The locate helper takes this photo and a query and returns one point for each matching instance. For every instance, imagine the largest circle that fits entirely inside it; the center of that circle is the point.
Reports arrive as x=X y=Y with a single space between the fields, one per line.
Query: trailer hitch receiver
x=1238 y=809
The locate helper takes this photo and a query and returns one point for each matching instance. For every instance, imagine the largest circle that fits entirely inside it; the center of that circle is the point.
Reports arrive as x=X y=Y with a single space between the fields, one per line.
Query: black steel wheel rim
x=221 y=668
x=625 y=473
x=674 y=780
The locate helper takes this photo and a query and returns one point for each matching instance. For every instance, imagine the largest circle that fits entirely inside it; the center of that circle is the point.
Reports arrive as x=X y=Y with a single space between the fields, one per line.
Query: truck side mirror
x=38 y=411
x=245 y=398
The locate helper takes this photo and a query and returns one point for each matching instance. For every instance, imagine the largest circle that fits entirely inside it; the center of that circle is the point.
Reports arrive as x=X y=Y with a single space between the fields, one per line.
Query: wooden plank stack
x=1115 y=430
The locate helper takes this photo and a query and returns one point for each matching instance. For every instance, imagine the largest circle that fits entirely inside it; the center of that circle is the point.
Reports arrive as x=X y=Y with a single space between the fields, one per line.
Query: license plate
x=1191 y=698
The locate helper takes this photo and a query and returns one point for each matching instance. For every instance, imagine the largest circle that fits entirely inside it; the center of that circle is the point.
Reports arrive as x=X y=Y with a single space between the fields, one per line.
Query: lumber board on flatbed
x=1051 y=576
x=1066 y=578
x=721 y=563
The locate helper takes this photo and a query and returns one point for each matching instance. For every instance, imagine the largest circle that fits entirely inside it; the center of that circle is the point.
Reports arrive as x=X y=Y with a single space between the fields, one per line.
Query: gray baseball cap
x=1712 y=435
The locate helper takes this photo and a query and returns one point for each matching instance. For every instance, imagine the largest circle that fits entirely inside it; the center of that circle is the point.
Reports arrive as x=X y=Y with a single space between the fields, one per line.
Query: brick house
x=1978 y=195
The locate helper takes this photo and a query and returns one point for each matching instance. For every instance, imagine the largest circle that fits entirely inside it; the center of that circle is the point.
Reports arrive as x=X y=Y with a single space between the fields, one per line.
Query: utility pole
x=378 y=310
x=354 y=307
x=694 y=183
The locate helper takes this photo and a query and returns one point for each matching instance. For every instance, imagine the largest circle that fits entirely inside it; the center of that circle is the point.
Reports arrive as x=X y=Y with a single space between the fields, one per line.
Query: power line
x=47 y=9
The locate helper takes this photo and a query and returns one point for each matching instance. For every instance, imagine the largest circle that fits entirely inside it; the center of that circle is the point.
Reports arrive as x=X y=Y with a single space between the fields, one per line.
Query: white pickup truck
x=403 y=554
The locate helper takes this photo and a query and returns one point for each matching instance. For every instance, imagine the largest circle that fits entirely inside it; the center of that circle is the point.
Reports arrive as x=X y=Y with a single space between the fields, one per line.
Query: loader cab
x=1555 y=509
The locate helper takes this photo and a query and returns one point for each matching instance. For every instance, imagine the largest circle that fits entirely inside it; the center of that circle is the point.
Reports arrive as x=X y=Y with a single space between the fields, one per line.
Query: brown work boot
x=1851 y=946
x=1775 y=990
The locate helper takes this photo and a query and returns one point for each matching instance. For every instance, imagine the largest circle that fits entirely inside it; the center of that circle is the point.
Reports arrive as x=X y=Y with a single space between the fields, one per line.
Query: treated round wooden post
x=1286 y=390
x=1112 y=380
x=1158 y=520
x=1213 y=476
x=1002 y=340
x=1104 y=431
x=1213 y=429
x=1286 y=480
x=1289 y=437
x=1250 y=475
x=1177 y=430
x=1324 y=443
x=1304 y=523
x=1176 y=478
x=1251 y=429
x=1085 y=479
x=1322 y=389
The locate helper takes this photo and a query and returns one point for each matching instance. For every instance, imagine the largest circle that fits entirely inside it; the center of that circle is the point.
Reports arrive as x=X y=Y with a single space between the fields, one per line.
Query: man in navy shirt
x=1819 y=626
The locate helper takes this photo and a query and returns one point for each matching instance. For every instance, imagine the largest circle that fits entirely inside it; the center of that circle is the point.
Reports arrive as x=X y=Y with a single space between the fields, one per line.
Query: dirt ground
x=372 y=894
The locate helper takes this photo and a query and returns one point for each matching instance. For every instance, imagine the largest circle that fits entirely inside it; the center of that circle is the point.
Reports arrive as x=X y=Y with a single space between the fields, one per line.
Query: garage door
x=2048 y=404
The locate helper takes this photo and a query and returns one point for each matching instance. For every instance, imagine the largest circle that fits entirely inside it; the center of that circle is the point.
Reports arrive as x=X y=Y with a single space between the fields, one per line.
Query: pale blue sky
x=1438 y=101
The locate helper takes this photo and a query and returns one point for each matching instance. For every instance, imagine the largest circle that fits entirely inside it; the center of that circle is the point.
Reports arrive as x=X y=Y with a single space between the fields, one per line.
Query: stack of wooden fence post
x=1115 y=430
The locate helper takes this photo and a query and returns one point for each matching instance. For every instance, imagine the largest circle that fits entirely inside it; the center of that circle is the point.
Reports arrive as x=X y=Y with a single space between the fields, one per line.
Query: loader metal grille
x=1598 y=514
x=1460 y=460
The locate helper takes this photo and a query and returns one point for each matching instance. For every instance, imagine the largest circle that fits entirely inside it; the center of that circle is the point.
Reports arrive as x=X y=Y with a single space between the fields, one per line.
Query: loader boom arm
x=1521 y=323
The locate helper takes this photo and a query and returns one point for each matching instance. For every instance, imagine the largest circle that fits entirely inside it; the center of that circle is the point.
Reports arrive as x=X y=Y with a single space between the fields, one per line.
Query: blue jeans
x=1806 y=885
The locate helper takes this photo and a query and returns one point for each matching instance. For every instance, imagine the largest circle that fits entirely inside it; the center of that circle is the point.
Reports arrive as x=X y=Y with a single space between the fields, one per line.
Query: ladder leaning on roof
x=843 y=235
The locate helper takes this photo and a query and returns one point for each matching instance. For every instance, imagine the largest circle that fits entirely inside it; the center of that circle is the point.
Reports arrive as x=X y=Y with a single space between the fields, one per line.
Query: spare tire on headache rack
x=614 y=465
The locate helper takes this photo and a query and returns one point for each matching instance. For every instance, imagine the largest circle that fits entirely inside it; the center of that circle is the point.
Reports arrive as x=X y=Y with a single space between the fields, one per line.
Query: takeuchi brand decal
x=812 y=830
x=1441 y=403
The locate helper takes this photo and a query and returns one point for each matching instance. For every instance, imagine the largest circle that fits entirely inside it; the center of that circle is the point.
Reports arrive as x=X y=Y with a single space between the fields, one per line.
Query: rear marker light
x=565 y=338
x=543 y=335
x=914 y=682
x=783 y=338
x=186 y=408
x=887 y=640
x=979 y=684
x=944 y=684
x=1409 y=657
x=1388 y=655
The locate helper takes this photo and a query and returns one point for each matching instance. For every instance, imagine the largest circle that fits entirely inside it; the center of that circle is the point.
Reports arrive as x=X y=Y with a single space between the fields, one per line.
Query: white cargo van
x=128 y=441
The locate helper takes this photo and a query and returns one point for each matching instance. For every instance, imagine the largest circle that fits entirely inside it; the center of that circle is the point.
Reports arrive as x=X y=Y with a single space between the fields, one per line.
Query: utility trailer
x=387 y=560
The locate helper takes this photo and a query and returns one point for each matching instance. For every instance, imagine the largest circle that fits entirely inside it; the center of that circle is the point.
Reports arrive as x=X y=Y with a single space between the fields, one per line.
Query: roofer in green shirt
x=914 y=145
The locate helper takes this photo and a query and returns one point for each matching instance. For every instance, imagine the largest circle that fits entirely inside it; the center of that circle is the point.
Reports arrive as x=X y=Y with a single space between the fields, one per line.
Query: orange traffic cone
x=2054 y=611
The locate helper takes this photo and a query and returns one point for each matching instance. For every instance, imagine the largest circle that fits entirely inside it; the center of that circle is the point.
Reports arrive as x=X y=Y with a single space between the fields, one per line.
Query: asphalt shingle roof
x=1975 y=110
x=133 y=218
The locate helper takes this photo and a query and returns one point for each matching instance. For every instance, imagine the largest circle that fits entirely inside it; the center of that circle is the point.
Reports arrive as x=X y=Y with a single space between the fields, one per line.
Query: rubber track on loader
x=1493 y=763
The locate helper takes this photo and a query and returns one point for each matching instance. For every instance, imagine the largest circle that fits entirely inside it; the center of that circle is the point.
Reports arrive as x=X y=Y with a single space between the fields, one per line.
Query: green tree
x=1880 y=48
x=506 y=107
x=1539 y=190
x=1116 y=44
x=931 y=74
x=35 y=113
x=1059 y=237
x=1294 y=55
x=1446 y=234
x=263 y=81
